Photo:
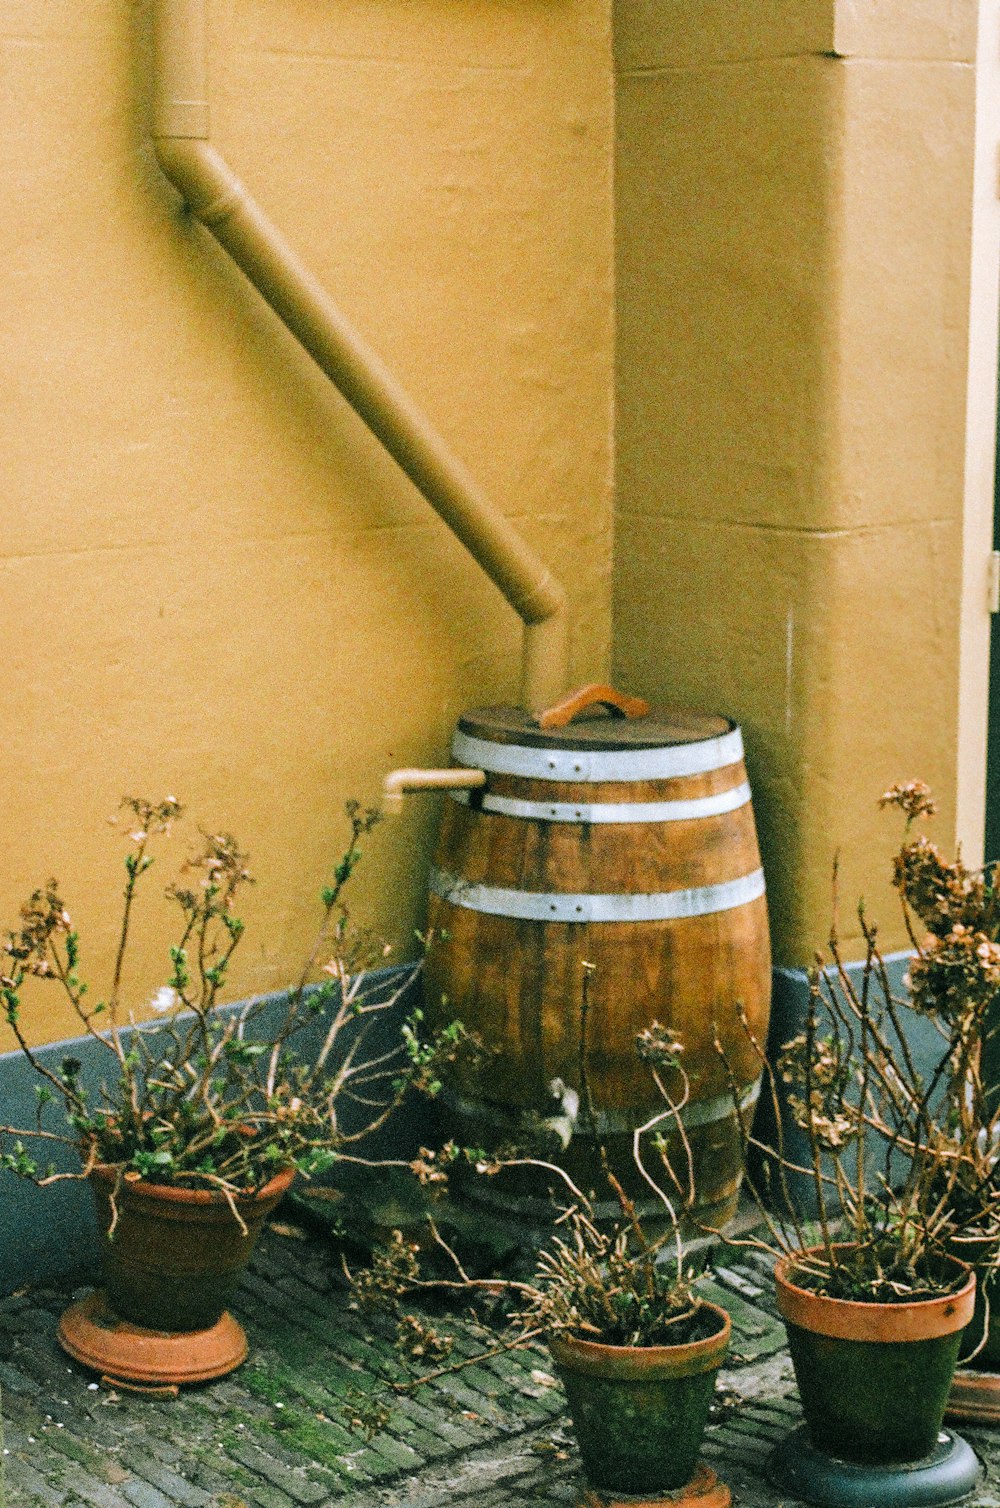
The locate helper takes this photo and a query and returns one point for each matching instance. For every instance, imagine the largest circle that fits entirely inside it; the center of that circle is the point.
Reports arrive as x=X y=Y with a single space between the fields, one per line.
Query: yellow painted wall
x=793 y=244
x=215 y=583
x=212 y=581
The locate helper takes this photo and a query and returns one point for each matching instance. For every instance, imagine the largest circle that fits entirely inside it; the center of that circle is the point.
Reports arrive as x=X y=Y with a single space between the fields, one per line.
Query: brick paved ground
x=274 y=1435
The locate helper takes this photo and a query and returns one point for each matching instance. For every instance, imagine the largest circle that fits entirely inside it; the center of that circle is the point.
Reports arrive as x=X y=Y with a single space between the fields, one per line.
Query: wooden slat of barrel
x=518 y=982
x=486 y=847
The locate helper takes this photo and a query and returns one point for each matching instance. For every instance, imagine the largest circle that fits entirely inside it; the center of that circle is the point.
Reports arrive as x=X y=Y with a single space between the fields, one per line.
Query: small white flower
x=165 y=1000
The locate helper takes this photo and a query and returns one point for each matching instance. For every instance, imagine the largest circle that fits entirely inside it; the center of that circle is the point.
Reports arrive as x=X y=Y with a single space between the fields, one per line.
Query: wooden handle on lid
x=594 y=695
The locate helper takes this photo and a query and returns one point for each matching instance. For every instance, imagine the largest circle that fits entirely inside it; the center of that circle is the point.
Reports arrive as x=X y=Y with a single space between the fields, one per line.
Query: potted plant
x=876 y=1306
x=635 y=1346
x=205 y=1113
x=952 y=911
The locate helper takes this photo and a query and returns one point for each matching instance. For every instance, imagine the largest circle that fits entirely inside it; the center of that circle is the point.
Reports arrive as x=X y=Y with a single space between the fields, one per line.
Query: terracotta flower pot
x=176 y=1254
x=873 y=1378
x=639 y=1412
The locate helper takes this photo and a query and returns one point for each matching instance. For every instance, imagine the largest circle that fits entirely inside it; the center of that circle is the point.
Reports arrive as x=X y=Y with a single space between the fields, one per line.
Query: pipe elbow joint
x=175 y=155
x=199 y=174
x=546 y=598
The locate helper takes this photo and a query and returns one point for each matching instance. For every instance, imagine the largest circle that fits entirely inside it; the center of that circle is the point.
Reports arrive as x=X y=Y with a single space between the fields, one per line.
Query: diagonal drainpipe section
x=220 y=201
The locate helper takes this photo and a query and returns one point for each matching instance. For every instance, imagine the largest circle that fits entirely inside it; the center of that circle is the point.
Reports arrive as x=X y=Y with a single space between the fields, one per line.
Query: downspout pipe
x=215 y=195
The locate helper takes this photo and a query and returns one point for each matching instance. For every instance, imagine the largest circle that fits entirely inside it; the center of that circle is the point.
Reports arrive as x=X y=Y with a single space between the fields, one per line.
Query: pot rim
x=870 y=1319
x=644 y=1363
x=108 y=1173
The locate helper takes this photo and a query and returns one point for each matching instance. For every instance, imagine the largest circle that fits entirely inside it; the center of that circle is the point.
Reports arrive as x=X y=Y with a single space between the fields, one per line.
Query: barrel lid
x=595 y=729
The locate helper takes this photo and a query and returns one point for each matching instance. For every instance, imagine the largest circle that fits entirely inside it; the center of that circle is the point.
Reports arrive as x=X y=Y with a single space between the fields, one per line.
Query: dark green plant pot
x=873 y=1378
x=639 y=1412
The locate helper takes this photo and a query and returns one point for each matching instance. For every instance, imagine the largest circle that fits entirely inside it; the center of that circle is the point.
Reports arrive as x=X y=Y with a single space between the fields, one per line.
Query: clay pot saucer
x=122 y=1352
x=974 y=1398
x=704 y=1490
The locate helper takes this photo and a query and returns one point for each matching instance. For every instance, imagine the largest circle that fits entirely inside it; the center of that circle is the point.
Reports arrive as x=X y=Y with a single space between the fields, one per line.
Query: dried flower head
x=148 y=817
x=395 y=1269
x=365 y=1413
x=420 y=1342
x=819 y=1075
x=956 y=975
x=43 y=916
x=222 y=867
x=912 y=797
x=659 y=1046
x=426 y=1167
x=942 y=893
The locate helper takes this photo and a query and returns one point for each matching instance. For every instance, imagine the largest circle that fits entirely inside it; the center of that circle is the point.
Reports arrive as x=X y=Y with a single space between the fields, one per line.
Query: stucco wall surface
x=793 y=283
x=212 y=581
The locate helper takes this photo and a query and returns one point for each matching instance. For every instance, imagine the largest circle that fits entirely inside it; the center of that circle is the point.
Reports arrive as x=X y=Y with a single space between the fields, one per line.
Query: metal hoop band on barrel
x=526 y=905
x=611 y=811
x=616 y=1122
x=666 y=762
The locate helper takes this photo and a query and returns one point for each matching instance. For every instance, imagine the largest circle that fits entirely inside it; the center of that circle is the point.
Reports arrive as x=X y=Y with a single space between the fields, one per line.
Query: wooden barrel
x=628 y=844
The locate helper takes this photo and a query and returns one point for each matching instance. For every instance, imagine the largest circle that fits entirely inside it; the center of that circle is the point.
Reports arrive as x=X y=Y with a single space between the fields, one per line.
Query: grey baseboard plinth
x=45 y=1233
